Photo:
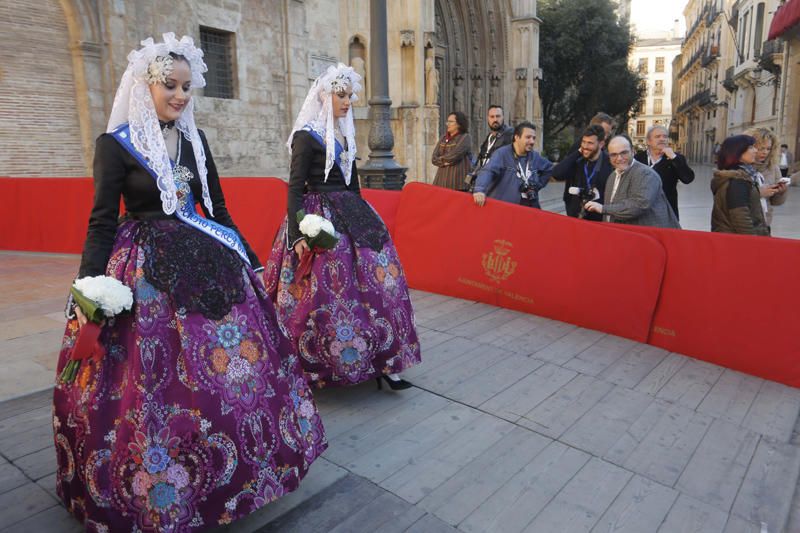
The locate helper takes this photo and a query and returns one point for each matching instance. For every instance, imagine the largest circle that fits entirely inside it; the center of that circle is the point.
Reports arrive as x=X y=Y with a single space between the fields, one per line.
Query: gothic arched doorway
x=471 y=57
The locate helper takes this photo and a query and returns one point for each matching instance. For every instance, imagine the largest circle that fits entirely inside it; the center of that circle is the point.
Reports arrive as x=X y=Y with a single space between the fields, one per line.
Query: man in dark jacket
x=499 y=135
x=669 y=165
x=584 y=170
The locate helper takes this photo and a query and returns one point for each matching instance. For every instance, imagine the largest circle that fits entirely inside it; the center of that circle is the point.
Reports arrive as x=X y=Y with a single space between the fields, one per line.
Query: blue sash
x=338 y=149
x=186 y=212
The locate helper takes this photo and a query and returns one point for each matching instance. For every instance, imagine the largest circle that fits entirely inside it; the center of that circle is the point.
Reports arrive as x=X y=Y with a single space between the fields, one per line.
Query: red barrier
x=592 y=275
x=386 y=204
x=730 y=300
x=45 y=214
x=52 y=214
x=258 y=206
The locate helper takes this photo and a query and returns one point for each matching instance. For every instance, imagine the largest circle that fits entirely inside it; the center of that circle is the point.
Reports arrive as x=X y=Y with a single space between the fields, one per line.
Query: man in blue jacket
x=516 y=172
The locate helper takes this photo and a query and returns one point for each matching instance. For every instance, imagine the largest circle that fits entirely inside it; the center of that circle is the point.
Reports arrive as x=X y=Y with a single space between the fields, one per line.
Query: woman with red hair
x=737 y=195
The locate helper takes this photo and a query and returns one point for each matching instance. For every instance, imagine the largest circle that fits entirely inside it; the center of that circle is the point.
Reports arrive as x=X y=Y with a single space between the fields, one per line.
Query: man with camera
x=585 y=172
x=499 y=135
x=516 y=172
x=633 y=193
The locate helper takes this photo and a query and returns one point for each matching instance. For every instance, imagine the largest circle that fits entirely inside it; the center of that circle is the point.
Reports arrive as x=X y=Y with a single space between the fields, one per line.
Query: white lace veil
x=134 y=105
x=317 y=113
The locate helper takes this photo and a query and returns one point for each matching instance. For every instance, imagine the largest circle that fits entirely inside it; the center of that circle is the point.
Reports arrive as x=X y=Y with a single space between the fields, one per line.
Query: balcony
x=728 y=82
x=771 y=58
x=710 y=56
x=658 y=91
x=703 y=98
x=689 y=64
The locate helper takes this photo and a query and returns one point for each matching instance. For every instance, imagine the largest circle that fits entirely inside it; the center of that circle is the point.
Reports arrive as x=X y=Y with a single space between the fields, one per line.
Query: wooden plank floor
x=516 y=423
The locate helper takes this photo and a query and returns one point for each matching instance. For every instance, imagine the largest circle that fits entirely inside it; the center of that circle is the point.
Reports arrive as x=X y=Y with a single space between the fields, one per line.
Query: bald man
x=633 y=192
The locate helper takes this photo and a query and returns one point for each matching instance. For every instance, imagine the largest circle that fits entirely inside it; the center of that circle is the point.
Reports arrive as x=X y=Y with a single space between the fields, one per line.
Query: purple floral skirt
x=351 y=317
x=199 y=412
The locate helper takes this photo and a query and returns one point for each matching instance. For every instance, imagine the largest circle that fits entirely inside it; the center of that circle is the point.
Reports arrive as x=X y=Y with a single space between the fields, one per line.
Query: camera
x=585 y=194
x=526 y=190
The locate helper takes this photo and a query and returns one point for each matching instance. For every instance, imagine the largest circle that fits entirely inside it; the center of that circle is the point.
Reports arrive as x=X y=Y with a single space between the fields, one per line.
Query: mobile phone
x=787 y=181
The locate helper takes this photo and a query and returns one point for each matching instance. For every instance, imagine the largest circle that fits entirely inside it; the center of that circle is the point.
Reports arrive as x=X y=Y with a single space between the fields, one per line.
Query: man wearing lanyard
x=584 y=170
x=669 y=165
x=499 y=135
x=516 y=172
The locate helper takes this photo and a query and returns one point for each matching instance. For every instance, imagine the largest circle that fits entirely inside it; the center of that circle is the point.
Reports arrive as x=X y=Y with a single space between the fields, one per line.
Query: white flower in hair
x=159 y=69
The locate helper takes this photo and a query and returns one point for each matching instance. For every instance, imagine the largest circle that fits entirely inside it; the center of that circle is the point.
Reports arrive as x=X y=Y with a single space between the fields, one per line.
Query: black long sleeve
x=221 y=213
x=109 y=178
x=682 y=169
x=302 y=156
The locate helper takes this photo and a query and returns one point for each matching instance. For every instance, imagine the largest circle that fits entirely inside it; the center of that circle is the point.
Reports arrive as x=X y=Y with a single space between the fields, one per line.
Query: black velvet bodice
x=117 y=173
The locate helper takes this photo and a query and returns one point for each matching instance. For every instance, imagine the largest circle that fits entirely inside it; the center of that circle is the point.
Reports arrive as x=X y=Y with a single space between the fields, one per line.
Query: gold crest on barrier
x=498 y=263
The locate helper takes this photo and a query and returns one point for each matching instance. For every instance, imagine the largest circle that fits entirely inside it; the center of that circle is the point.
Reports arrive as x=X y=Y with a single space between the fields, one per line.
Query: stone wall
x=39 y=130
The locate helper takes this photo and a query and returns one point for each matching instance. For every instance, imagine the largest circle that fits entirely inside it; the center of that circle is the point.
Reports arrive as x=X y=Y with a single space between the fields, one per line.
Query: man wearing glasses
x=633 y=192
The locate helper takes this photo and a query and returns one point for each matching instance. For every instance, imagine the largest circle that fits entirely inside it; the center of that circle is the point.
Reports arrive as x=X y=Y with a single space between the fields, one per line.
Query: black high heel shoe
x=394 y=385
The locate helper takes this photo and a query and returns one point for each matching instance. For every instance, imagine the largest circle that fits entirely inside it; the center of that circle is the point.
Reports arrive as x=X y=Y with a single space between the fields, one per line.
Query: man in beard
x=499 y=135
x=585 y=171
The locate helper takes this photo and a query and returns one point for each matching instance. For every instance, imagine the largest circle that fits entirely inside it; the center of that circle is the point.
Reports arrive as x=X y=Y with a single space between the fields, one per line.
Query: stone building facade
x=733 y=76
x=61 y=61
x=653 y=58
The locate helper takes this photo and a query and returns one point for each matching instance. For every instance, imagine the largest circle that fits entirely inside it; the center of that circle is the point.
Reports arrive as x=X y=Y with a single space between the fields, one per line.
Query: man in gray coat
x=633 y=192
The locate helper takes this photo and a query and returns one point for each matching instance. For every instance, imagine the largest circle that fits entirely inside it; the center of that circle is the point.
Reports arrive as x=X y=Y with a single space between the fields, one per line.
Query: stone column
x=381 y=171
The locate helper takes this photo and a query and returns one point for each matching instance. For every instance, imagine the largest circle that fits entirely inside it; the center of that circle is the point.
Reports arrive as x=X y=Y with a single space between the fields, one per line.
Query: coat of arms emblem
x=498 y=263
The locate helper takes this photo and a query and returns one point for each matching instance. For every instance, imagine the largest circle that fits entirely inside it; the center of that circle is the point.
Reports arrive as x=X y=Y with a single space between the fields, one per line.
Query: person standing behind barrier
x=633 y=192
x=769 y=174
x=516 y=172
x=737 y=195
x=590 y=168
x=451 y=154
x=500 y=135
x=785 y=160
x=670 y=166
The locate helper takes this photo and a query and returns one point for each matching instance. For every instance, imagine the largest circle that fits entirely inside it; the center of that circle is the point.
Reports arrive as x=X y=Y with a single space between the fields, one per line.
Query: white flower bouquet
x=320 y=236
x=319 y=231
x=98 y=297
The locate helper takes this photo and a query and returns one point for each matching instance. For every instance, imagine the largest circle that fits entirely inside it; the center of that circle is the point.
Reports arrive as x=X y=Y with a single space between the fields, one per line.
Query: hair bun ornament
x=340 y=78
x=140 y=61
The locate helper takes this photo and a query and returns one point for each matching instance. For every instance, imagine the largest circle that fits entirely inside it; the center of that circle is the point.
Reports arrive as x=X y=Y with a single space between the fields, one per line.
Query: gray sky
x=653 y=18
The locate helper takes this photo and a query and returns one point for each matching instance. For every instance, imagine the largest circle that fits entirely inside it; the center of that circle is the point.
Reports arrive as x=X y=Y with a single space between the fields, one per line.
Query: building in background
x=653 y=59
x=785 y=26
x=61 y=61
x=736 y=74
x=702 y=100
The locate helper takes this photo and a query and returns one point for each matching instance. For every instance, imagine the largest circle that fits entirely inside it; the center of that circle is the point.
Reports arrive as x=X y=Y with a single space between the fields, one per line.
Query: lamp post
x=381 y=171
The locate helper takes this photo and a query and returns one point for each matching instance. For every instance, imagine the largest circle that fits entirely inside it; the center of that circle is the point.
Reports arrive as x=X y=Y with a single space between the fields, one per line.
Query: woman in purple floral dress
x=350 y=317
x=198 y=413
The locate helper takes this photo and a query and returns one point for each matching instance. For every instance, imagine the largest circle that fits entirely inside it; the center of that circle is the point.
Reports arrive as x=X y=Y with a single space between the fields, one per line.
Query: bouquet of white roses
x=319 y=231
x=98 y=297
x=320 y=236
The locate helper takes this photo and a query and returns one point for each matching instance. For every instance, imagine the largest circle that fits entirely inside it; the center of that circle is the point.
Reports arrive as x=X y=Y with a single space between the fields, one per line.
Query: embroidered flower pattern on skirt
x=351 y=318
x=198 y=414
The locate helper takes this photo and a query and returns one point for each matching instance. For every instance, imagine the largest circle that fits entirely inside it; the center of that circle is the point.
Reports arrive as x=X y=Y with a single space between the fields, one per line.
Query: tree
x=584 y=51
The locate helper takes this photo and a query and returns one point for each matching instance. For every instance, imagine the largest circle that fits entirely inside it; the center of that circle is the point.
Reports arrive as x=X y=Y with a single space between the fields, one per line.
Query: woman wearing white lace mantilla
x=350 y=316
x=196 y=411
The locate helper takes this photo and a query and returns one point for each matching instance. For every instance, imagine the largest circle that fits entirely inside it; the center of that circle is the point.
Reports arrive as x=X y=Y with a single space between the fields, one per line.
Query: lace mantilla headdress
x=134 y=105
x=317 y=114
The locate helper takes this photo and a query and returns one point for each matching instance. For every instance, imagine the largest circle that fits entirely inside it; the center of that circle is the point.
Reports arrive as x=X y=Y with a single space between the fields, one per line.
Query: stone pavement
x=516 y=423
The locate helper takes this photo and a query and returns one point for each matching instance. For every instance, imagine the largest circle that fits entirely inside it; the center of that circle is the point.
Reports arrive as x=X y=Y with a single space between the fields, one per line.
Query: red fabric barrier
x=45 y=214
x=386 y=204
x=51 y=214
x=730 y=300
x=592 y=275
x=258 y=206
